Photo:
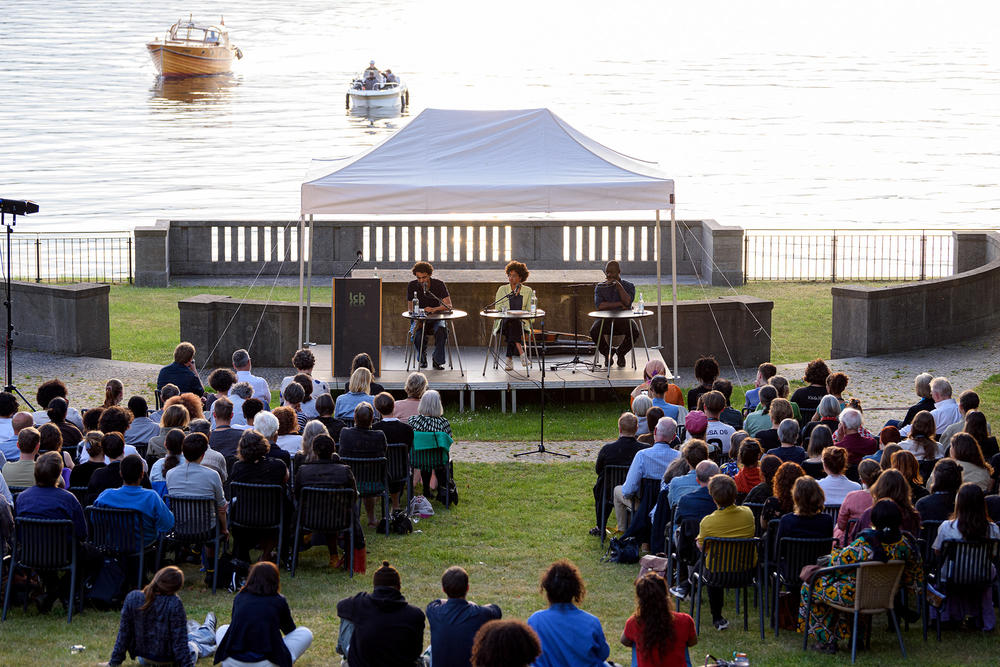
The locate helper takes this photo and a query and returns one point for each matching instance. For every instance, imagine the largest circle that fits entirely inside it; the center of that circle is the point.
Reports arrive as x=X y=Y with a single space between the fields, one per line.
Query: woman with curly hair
x=661 y=635
x=288 y=437
x=706 y=370
x=808 y=397
x=569 y=635
x=514 y=295
x=505 y=643
x=190 y=401
x=906 y=463
x=781 y=502
x=966 y=451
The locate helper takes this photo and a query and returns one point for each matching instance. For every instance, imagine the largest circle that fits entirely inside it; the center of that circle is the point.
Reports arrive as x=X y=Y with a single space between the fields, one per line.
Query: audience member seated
x=190 y=401
x=731 y=466
x=851 y=440
x=780 y=384
x=693 y=452
x=621 y=452
x=780 y=410
x=893 y=486
x=253 y=466
x=569 y=635
x=781 y=502
x=836 y=384
x=968 y=401
x=944 y=483
x=167 y=392
x=362 y=360
x=307 y=406
x=884 y=543
x=158 y=472
x=828 y=411
x=359 y=391
x=182 y=372
x=266 y=424
x=653 y=416
x=922 y=387
x=20 y=420
x=175 y=416
x=80 y=476
x=304 y=360
x=764 y=373
x=50 y=440
x=109 y=477
x=970 y=523
x=396 y=432
x=691 y=509
x=660 y=635
x=808 y=519
x=761 y=421
x=224 y=438
x=156 y=518
x=653 y=368
x=380 y=614
x=976 y=426
x=260 y=617
x=768 y=468
x=213 y=459
x=294 y=396
x=309 y=434
x=430 y=419
x=887 y=436
x=648 y=463
x=222 y=381
x=47 y=391
x=907 y=464
x=258 y=385
x=142 y=429
x=22 y=471
x=70 y=435
x=640 y=407
x=508 y=643
x=749 y=475
x=945 y=412
x=416 y=385
x=966 y=451
x=729 y=521
x=788 y=435
x=193 y=480
x=239 y=394
x=288 y=438
x=729 y=414
x=808 y=397
x=659 y=388
x=718 y=434
x=835 y=485
x=362 y=442
x=857 y=502
x=706 y=371
x=922 y=443
x=154 y=626
x=820 y=440
x=455 y=621
x=45 y=500
x=8 y=408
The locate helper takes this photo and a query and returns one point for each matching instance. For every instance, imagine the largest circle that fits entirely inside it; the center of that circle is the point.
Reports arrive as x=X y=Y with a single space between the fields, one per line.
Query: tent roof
x=453 y=161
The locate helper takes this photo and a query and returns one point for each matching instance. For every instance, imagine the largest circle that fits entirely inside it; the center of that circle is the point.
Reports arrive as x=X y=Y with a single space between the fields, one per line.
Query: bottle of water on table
x=415 y=305
x=534 y=304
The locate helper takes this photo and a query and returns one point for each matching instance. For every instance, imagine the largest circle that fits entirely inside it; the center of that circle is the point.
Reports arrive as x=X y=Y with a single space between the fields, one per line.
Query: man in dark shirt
x=691 y=509
x=613 y=294
x=730 y=415
x=617 y=453
x=455 y=621
x=182 y=372
x=224 y=438
x=396 y=432
x=388 y=631
x=433 y=296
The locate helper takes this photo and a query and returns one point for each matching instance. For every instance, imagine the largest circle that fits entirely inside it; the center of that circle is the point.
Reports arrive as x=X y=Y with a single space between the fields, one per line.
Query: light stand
x=541 y=431
x=15 y=208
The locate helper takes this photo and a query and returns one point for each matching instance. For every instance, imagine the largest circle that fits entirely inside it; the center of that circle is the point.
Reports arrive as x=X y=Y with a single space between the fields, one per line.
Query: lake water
x=777 y=114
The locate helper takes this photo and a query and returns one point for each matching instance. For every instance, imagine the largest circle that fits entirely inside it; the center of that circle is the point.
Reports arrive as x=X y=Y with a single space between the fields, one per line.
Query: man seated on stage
x=434 y=298
x=613 y=294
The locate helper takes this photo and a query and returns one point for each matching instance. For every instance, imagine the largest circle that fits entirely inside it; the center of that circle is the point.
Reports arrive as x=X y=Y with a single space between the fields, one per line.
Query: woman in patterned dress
x=883 y=543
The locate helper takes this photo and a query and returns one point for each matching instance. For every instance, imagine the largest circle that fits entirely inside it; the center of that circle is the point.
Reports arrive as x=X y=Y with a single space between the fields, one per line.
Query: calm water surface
x=777 y=114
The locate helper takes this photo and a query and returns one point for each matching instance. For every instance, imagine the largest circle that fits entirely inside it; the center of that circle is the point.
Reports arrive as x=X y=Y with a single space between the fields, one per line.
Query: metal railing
x=64 y=257
x=856 y=254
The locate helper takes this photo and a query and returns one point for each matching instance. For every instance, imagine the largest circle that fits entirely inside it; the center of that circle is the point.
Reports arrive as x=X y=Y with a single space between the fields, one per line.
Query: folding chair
x=372 y=478
x=118 y=533
x=324 y=510
x=194 y=523
x=613 y=476
x=730 y=563
x=258 y=507
x=43 y=544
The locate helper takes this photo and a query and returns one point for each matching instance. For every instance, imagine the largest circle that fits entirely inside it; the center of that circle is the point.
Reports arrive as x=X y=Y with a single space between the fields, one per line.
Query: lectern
x=357 y=322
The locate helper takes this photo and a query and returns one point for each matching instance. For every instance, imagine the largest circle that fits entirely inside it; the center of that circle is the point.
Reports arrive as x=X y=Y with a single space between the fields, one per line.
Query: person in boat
x=390 y=77
x=371 y=81
x=377 y=74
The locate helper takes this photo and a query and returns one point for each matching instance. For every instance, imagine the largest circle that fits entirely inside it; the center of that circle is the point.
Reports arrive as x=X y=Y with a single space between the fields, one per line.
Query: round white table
x=613 y=316
x=449 y=320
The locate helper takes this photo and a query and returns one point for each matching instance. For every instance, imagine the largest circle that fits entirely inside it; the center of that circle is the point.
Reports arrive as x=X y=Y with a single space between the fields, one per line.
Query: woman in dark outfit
x=361 y=442
x=254 y=466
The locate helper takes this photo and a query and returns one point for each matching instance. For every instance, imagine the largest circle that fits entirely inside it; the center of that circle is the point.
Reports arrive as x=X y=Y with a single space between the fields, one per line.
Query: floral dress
x=826 y=624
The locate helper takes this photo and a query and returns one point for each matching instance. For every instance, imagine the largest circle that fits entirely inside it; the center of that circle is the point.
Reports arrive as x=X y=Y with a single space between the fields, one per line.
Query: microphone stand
x=356 y=262
x=440 y=302
x=572 y=363
x=8 y=302
x=541 y=431
x=505 y=296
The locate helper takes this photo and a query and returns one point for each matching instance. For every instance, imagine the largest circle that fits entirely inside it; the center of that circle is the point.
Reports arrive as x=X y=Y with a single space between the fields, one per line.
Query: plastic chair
x=397 y=456
x=258 y=507
x=193 y=524
x=372 y=478
x=794 y=553
x=329 y=511
x=613 y=476
x=730 y=563
x=118 y=533
x=43 y=544
x=431 y=459
x=875 y=590
x=965 y=567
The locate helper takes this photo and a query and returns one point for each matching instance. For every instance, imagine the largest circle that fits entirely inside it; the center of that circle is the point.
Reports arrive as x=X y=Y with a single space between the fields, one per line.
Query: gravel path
x=884 y=384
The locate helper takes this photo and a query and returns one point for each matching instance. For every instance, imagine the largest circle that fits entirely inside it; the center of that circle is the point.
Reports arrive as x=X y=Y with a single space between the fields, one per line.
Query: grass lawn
x=505 y=554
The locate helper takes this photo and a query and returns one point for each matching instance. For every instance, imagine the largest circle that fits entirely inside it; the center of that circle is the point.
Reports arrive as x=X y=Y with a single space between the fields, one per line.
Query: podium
x=357 y=323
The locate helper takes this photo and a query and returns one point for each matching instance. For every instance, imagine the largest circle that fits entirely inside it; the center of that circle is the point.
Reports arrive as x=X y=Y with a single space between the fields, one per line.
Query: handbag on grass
x=657 y=564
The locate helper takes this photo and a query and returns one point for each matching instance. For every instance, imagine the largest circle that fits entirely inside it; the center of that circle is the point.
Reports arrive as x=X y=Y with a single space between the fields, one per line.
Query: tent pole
x=659 y=318
x=301 y=271
x=309 y=279
x=673 y=269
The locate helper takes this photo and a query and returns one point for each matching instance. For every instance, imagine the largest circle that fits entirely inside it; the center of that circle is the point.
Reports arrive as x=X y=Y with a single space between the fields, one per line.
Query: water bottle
x=415 y=307
x=642 y=305
x=534 y=303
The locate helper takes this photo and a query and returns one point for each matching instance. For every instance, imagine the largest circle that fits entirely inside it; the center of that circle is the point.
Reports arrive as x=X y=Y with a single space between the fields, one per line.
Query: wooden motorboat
x=193 y=49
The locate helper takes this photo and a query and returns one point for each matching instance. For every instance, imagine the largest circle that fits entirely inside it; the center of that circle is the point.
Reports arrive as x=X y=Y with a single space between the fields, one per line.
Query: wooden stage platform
x=394 y=373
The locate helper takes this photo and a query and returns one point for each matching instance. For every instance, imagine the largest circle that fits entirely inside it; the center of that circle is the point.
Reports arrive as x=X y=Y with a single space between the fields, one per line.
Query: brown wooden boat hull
x=171 y=60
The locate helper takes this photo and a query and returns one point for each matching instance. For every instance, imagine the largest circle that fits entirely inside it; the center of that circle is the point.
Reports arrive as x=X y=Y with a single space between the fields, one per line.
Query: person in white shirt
x=142 y=428
x=46 y=392
x=717 y=434
x=921 y=441
x=835 y=486
x=945 y=410
x=304 y=361
x=241 y=363
x=8 y=406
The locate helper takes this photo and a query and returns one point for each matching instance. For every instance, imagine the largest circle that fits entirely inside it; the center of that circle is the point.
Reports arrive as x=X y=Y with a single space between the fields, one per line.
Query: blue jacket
x=454 y=623
x=569 y=636
x=182 y=376
x=156 y=518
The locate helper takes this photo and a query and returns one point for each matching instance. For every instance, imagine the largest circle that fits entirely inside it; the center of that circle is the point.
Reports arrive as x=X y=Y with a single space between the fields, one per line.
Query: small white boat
x=375 y=90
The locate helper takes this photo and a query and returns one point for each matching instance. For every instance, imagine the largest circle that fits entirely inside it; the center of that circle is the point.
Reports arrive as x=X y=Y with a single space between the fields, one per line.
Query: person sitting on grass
x=569 y=635
x=507 y=643
x=154 y=628
x=660 y=635
x=455 y=621
x=260 y=617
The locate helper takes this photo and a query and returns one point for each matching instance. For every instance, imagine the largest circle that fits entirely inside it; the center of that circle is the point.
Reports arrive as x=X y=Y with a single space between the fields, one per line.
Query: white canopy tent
x=520 y=161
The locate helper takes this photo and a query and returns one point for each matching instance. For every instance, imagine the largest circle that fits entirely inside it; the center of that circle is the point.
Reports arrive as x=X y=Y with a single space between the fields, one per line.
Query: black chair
x=398 y=463
x=82 y=494
x=328 y=511
x=435 y=458
x=118 y=533
x=757 y=509
x=372 y=478
x=43 y=544
x=832 y=510
x=141 y=448
x=965 y=568
x=258 y=507
x=613 y=476
x=730 y=563
x=195 y=522
x=927 y=467
x=794 y=553
x=15 y=491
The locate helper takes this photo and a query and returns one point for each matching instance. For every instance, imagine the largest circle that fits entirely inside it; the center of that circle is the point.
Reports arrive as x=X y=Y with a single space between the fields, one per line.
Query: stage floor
x=578 y=376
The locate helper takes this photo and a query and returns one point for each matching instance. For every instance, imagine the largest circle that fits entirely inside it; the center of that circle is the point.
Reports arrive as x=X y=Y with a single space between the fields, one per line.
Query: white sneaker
x=525 y=362
x=509 y=366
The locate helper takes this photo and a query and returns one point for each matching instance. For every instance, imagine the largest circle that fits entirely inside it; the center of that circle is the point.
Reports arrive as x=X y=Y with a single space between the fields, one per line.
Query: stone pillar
x=722 y=262
x=152 y=266
x=62 y=319
x=968 y=251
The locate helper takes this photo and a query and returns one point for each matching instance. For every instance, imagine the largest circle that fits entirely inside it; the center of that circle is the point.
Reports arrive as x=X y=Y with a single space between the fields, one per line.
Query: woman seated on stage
x=358 y=392
x=516 y=296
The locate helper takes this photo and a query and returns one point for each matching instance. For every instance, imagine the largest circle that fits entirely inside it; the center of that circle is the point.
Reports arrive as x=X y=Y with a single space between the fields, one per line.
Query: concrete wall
x=63 y=319
x=195 y=248
x=869 y=321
